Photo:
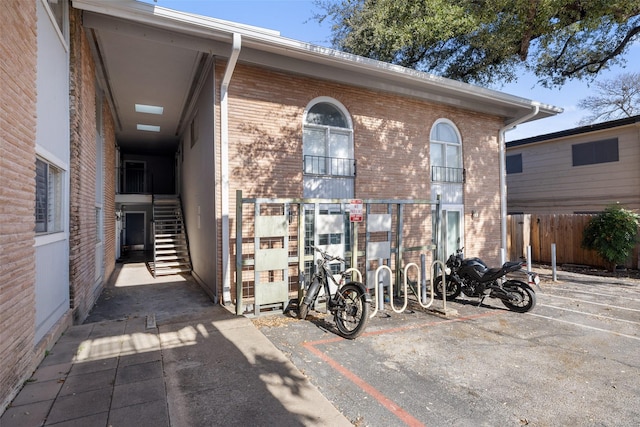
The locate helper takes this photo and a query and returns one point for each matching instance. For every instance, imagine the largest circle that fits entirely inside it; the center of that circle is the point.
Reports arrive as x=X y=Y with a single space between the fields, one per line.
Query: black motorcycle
x=474 y=278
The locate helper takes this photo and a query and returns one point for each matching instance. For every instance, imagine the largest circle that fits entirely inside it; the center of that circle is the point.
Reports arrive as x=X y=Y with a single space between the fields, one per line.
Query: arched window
x=446 y=152
x=329 y=164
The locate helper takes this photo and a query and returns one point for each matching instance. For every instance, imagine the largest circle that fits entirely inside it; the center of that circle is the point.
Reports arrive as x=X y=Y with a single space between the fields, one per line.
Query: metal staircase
x=170 y=245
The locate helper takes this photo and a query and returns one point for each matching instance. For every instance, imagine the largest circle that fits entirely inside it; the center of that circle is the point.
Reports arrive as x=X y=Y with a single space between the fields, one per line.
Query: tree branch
x=601 y=62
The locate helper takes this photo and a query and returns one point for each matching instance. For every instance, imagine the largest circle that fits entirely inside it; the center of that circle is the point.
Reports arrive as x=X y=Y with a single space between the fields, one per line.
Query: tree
x=613 y=234
x=616 y=98
x=485 y=41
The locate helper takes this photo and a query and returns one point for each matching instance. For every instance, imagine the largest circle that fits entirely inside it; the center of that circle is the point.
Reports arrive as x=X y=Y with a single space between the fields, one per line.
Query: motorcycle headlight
x=447 y=270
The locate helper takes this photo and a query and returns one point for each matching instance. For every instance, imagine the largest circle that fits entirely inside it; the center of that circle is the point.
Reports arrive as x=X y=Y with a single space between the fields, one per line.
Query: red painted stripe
x=367 y=388
x=393 y=407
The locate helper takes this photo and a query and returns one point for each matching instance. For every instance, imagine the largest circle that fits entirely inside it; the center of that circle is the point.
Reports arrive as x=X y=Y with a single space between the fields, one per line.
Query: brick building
x=108 y=108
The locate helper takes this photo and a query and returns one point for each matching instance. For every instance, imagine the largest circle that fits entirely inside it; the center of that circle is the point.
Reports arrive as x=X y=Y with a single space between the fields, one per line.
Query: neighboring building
x=580 y=170
x=108 y=108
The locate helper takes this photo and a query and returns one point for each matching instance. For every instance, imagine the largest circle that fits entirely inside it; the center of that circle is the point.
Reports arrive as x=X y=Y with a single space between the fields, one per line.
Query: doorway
x=134 y=231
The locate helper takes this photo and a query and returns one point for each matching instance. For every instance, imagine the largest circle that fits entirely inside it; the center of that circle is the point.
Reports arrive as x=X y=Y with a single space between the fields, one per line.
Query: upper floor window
x=49 y=194
x=591 y=153
x=328 y=140
x=59 y=12
x=514 y=163
x=446 y=152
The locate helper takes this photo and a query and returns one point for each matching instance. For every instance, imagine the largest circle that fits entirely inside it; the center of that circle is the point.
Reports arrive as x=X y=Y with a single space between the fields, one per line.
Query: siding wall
x=391 y=144
x=550 y=184
x=18 y=51
x=52 y=145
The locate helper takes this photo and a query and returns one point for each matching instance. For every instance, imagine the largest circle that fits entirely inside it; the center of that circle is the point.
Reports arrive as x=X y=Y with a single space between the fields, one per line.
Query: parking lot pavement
x=573 y=360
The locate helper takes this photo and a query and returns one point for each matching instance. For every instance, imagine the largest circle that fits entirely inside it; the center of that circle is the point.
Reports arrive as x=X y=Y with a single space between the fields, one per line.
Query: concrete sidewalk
x=185 y=362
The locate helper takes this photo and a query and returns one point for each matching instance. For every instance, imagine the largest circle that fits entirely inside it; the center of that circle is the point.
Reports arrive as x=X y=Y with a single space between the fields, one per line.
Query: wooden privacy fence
x=541 y=231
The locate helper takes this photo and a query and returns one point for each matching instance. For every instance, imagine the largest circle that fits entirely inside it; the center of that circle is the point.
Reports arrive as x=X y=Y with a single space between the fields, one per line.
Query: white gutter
x=224 y=166
x=503 y=177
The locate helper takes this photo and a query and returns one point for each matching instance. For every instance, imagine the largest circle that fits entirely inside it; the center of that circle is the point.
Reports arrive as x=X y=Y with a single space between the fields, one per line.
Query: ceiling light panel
x=148 y=128
x=149 y=109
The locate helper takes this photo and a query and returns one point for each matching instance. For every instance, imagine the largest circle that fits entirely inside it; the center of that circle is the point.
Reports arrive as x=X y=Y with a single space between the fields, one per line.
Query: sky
x=294 y=19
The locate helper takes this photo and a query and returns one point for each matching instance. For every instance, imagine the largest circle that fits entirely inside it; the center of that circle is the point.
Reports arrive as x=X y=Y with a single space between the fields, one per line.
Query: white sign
x=355 y=210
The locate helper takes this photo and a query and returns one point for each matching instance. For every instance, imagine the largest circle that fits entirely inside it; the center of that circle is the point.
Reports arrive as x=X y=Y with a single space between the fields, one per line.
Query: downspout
x=503 y=177
x=224 y=166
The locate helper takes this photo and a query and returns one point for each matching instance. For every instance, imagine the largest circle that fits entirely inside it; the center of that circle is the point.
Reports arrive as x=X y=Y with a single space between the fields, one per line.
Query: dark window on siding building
x=514 y=163
x=591 y=153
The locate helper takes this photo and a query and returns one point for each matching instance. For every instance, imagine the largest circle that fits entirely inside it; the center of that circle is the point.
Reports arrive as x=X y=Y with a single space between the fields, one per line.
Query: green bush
x=613 y=234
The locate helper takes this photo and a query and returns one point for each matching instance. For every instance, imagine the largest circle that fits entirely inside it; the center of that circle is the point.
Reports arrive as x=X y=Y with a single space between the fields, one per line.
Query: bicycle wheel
x=352 y=315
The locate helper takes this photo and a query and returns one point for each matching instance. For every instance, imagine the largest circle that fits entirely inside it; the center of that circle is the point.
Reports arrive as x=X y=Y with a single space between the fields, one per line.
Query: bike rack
x=444 y=281
x=378 y=285
x=354 y=270
x=405 y=288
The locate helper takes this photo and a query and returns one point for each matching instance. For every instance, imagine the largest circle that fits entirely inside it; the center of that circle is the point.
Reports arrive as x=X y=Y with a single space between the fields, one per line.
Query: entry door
x=134 y=231
x=454 y=231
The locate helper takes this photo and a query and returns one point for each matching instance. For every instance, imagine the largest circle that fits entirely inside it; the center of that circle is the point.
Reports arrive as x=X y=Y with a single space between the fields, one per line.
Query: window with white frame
x=446 y=153
x=328 y=141
x=49 y=195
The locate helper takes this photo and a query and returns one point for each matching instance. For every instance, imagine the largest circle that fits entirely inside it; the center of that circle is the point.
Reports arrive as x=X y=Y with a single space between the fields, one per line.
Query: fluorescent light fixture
x=149 y=109
x=148 y=128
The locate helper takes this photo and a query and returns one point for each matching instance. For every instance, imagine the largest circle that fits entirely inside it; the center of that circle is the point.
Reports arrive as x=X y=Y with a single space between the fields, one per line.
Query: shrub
x=613 y=234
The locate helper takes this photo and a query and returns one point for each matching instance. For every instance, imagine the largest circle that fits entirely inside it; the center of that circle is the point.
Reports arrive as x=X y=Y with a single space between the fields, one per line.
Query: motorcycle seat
x=511 y=264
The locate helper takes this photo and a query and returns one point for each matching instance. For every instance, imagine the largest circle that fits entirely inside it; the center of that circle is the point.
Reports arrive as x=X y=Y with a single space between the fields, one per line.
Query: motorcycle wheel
x=353 y=314
x=453 y=288
x=303 y=310
x=524 y=298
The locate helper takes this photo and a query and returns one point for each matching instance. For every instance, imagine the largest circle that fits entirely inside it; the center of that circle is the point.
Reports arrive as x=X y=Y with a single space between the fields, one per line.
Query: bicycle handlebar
x=327 y=256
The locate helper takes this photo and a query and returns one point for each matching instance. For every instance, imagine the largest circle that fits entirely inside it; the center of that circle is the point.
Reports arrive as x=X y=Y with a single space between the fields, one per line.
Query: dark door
x=134 y=230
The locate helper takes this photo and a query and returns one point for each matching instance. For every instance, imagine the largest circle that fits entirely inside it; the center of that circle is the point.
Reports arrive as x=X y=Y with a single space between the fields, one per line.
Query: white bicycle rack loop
x=354 y=270
x=405 y=288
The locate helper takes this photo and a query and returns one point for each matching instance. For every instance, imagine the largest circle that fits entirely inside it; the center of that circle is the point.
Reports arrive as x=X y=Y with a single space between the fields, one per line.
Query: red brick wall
x=18 y=50
x=391 y=142
x=82 y=227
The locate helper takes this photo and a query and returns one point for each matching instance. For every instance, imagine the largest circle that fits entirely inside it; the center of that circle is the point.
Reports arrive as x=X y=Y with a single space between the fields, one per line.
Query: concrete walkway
x=157 y=352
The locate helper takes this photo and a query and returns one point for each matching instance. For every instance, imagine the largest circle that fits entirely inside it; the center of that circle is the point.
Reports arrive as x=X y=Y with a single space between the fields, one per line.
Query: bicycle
x=349 y=305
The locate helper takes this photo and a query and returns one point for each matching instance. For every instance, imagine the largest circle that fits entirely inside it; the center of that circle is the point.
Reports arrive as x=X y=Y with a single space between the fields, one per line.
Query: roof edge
x=206 y=27
x=576 y=131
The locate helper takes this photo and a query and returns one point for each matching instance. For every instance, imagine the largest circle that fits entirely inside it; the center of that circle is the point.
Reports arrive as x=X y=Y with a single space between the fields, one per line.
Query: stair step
x=172 y=271
x=171 y=264
x=177 y=257
x=171 y=249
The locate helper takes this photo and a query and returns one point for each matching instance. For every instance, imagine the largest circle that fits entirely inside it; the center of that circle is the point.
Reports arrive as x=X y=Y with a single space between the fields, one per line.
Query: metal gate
x=273 y=238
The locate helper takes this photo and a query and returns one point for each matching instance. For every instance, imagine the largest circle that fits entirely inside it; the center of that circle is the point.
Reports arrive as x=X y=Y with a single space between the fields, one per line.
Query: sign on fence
x=355 y=210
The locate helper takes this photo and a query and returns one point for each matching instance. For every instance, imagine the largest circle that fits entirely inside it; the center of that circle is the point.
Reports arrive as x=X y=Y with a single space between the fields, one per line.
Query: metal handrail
x=446 y=174
x=329 y=166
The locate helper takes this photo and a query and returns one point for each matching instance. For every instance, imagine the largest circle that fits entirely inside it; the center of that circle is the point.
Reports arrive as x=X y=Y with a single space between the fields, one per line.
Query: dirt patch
x=273 y=321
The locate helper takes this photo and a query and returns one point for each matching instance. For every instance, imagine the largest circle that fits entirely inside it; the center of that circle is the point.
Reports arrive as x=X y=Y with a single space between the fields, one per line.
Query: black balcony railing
x=134 y=181
x=445 y=174
x=329 y=166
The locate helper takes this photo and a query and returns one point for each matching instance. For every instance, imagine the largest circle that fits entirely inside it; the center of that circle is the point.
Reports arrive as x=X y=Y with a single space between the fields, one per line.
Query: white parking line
x=597 y=303
x=589 y=314
x=586 y=326
x=595 y=293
